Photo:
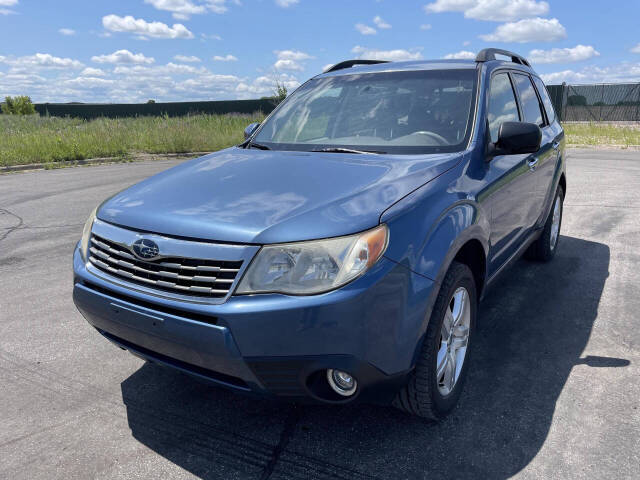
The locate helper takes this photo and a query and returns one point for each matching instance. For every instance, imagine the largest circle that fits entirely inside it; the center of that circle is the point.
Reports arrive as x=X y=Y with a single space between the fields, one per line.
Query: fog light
x=342 y=382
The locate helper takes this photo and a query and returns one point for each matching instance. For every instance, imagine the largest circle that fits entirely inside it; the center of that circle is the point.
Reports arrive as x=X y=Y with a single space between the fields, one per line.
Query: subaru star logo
x=145 y=249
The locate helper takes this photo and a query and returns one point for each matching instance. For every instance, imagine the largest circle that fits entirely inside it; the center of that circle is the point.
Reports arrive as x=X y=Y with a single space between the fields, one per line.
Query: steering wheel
x=441 y=141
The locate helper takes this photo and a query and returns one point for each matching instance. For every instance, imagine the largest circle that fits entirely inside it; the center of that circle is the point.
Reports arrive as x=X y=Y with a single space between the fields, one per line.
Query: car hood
x=256 y=196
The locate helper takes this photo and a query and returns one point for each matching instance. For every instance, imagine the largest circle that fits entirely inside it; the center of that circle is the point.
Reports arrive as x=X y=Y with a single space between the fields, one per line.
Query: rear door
x=510 y=176
x=542 y=163
x=552 y=131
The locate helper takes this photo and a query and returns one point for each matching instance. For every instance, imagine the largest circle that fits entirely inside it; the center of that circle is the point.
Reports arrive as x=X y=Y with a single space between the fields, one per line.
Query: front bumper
x=272 y=344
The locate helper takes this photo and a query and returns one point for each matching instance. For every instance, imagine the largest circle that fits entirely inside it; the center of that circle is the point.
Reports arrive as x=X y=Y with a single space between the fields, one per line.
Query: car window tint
x=546 y=100
x=502 y=104
x=528 y=100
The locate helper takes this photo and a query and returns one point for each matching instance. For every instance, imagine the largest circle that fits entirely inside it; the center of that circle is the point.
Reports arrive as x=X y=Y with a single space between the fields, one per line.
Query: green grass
x=35 y=139
x=602 y=134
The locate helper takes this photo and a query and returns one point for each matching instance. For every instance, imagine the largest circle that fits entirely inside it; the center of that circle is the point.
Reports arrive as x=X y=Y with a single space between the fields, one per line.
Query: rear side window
x=546 y=100
x=528 y=100
x=502 y=104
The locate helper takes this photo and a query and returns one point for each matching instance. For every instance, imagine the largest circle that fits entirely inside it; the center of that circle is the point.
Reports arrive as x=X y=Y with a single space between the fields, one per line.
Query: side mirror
x=250 y=129
x=515 y=138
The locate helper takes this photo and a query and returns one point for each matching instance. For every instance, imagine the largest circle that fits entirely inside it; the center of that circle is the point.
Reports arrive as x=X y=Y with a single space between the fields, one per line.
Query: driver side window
x=502 y=104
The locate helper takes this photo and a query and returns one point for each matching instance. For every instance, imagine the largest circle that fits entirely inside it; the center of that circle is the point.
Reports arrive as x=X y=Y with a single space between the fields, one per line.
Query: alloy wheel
x=454 y=338
x=555 y=222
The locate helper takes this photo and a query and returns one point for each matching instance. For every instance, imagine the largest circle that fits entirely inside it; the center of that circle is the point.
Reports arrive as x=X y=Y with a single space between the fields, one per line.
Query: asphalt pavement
x=553 y=390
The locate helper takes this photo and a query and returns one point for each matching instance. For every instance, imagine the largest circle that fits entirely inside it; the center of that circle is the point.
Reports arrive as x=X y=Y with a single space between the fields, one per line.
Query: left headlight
x=317 y=266
x=86 y=234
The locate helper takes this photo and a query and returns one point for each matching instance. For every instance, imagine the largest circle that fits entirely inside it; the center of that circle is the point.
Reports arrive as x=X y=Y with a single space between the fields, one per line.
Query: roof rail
x=490 y=54
x=351 y=63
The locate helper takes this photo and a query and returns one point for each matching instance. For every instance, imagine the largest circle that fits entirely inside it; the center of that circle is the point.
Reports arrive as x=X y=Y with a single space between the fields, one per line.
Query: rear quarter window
x=546 y=100
x=528 y=100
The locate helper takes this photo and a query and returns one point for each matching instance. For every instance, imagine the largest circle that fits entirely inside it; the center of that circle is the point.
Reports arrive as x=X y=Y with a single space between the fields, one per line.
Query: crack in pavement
x=290 y=424
x=22 y=226
x=14 y=228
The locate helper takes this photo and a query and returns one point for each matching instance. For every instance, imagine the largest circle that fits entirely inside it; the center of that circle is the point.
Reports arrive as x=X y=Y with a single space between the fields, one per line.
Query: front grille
x=188 y=276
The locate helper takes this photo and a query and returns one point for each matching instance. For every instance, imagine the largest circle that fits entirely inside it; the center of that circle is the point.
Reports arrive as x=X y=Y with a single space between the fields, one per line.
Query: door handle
x=533 y=163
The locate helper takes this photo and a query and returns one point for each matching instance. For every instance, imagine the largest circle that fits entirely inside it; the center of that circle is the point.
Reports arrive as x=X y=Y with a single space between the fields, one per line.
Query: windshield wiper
x=257 y=145
x=344 y=150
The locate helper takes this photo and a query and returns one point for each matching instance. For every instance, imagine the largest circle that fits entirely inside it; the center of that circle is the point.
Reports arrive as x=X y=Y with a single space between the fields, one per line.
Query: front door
x=512 y=179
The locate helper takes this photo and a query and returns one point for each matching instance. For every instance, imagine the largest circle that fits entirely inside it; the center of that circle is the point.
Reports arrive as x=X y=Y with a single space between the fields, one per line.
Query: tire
x=425 y=393
x=545 y=247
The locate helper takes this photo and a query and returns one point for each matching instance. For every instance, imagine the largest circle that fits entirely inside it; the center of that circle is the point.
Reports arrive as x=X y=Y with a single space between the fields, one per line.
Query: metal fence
x=173 y=109
x=606 y=102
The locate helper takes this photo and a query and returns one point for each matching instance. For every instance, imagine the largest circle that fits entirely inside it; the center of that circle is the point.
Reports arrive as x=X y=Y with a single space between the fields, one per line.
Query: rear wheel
x=435 y=385
x=544 y=248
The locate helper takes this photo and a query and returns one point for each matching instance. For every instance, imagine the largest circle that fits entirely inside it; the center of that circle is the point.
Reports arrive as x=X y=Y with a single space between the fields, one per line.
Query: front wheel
x=544 y=248
x=436 y=383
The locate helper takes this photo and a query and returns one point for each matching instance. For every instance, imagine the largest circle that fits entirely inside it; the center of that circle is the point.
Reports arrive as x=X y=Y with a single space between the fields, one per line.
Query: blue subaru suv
x=341 y=251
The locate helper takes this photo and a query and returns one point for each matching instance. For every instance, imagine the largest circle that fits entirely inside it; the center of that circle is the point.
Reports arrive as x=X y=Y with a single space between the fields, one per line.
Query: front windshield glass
x=393 y=112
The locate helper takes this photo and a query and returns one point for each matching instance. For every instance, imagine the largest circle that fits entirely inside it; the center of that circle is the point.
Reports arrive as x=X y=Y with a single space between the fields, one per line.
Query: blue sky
x=173 y=50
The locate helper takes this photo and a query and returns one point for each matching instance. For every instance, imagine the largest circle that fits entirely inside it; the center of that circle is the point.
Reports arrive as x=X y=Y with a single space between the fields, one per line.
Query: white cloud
x=563 y=55
x=139 y=82
x=286 y=3
x=89 y=82
x=212 y=36
x=183 y=9
x=618 y=73
x=180 y=69
x=92 y=72
x=148 y=72
x=462 y=55
x=41 y=60
x=528 y=30
x=123 y=56
x=380 y=23
x=7 y=3
x=365 y=29
x=187 y=58
x=491 y=10
x=284 y=64
x=425 y=26
x=225 y=58
x=391 y=55
x=66 y=31
x=290 y=60
x=292 y=55
x=179 y=8
x=139 y=26
x=635 y=49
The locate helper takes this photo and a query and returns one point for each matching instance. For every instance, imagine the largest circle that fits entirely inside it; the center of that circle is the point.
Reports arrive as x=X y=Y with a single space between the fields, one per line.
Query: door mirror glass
x=517 y=137
x=250 y=129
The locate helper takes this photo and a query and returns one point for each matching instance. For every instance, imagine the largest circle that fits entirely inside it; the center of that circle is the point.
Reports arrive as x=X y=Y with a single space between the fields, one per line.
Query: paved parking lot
x=553 y=392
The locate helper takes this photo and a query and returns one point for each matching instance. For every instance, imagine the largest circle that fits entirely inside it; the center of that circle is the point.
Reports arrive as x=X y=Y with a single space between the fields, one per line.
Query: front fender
x=428 y=228
x=433 y=227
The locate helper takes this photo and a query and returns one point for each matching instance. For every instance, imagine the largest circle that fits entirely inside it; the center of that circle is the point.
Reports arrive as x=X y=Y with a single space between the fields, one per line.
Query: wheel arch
x=473 y=255
x=563 y=183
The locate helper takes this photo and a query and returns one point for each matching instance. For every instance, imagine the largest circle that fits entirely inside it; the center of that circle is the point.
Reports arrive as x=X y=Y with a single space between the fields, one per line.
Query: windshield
x=393 y=112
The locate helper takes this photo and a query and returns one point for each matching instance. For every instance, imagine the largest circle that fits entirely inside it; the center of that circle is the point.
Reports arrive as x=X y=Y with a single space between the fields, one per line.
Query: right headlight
x=86 y=234
x=317 y=266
